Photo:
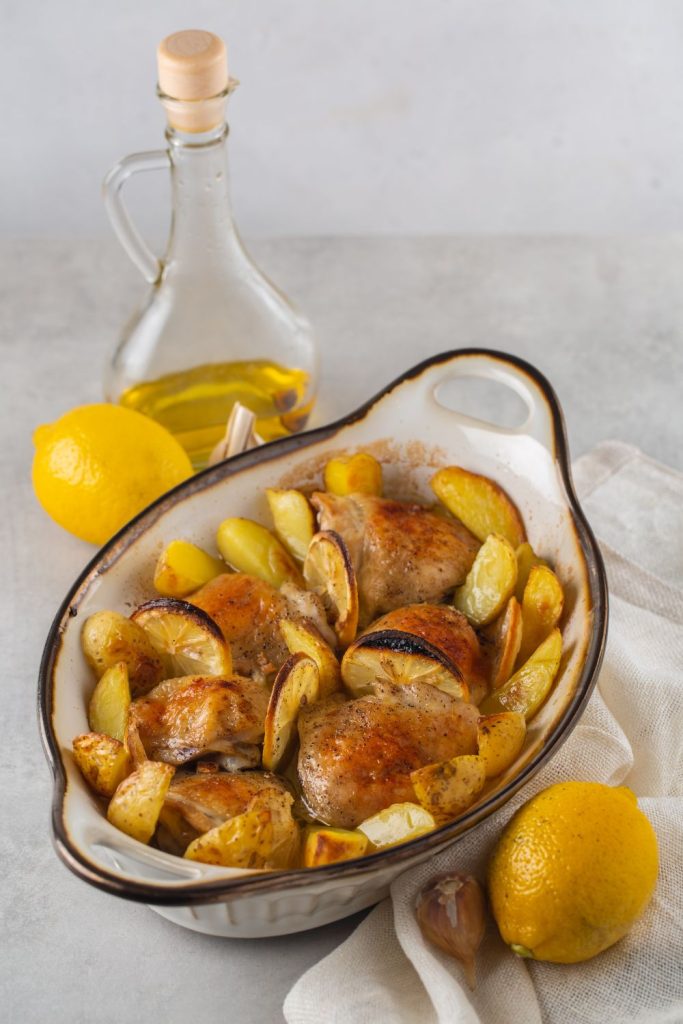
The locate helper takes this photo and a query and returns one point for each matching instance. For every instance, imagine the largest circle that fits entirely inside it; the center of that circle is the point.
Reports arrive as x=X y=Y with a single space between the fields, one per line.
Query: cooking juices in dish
x=213 y=329
x=347 y=681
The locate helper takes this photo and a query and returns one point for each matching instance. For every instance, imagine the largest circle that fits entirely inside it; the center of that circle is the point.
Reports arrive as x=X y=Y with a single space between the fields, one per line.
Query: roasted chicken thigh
x=193 y=716
x=356 y=757
x=402 y=553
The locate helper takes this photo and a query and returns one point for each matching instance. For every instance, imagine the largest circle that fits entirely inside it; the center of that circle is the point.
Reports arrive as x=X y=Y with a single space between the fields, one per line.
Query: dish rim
x=219 y=890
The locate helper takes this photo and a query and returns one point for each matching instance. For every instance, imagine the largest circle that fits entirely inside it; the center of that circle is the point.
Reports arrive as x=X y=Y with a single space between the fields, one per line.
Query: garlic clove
x=451 y=913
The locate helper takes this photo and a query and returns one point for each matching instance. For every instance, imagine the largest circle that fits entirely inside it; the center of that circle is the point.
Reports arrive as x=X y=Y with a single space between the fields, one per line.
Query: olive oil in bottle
x=213 y=329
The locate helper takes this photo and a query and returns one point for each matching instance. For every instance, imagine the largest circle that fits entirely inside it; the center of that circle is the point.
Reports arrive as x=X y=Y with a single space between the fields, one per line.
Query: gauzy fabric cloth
x=631 y=733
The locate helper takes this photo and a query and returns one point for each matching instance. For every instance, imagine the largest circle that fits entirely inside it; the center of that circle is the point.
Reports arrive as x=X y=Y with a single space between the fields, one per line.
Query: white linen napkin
x=631 y=733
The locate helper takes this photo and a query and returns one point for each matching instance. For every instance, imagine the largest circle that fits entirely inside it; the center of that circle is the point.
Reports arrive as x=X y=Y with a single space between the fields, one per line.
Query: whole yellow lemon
x=99 y=465
x=574 y=869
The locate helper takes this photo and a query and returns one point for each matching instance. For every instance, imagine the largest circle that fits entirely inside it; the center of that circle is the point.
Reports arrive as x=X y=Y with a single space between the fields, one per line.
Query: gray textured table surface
x=602 y=318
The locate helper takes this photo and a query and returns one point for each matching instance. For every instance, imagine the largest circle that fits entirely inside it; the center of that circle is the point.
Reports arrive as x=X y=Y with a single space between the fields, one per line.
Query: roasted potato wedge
x=108 y=638
x=505 y=636
x=185 y=637
x=526 y=690
x=501 y=737
x=353 y=474
x=103 y=761
x=479 y=503
x=293 y=519
x=329 y=572
x=304 y=638
x=450 y=787
x=264 y=836
x=330 y=845
x=108 y=708
x=489 y=583
x=541 y=609
x=137 y=802
x=396 y=824
x=297 y=683
x=396 y=657
x=183 y=567
x=526 y=560
x=251 y=548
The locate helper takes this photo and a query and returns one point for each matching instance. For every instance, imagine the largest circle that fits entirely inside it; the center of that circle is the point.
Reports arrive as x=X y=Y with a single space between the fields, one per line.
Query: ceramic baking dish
x=411 y=430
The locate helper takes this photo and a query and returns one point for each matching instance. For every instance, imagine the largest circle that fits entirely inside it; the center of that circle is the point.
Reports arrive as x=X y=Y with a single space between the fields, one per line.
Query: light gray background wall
x=361 y=116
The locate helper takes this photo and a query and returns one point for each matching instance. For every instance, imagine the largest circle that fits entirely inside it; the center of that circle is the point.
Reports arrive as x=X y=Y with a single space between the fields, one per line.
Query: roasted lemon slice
x=293 y=519
x=136 y=805
x=396 y=824
x=393 y=656
x=526 y=690
x=187 y=638
x=329 y=572
x=297 y=683
x=490 y=581
x=479 y=503
x=500 y=738
x=304 y=638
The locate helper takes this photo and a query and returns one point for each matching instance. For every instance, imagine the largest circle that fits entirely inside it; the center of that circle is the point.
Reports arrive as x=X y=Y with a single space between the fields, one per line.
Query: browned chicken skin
x=402 y=553
x=356 y=757
x=186 y=718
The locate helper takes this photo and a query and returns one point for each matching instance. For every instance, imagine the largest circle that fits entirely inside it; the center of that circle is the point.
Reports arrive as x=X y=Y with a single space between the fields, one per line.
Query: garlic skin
x=451 y=913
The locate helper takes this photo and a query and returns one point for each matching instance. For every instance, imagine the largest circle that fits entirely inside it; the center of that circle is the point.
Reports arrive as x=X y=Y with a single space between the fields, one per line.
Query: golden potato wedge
x=393 y=656
x=448 y=788
x=526 y=560
x=296 y=684
x=541 y=609
x=304 y=638
x=108 y=638
x=137 y=802
x=479 y=503
x=103 y=761
x=251 y=548
x=501 y=737
x=330 y=845
x=185 y=637
x=293 y=519
x=183 y=568
x=285 y=847
x=240 y=842
x=133 y=743
x=526 y=690
x=353 y=474
x=329 y=572
x=489 y=583
x=108 y=708
x=505 y=636
x=396 y=824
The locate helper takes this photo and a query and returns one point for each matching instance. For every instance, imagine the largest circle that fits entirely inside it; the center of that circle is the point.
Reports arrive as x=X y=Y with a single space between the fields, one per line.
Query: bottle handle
x=128 y=235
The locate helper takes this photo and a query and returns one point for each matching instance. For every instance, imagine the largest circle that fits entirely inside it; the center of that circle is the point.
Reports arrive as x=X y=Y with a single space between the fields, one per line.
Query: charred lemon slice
x=526 y=690
x=136 y=805
x=490 y=581
x=296 y=684
x=393 y=656
x=396 y=824
x=479 y=503
x=293 y=519
x=187 y=638
x=304 y=638
x=328 y=571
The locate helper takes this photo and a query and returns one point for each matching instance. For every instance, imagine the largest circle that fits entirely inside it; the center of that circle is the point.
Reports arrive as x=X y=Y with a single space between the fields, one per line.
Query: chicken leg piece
x=402 y=553
x=356 y=757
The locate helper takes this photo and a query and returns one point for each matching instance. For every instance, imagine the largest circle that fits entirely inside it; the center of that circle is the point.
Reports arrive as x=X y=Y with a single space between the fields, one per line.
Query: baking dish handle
x=543 y=415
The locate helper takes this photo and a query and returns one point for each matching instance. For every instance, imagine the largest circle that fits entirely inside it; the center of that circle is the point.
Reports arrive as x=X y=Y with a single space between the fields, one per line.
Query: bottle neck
x=202 y=228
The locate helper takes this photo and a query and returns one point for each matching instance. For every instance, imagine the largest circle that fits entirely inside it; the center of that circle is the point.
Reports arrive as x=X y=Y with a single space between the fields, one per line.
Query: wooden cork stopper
x=193 y=66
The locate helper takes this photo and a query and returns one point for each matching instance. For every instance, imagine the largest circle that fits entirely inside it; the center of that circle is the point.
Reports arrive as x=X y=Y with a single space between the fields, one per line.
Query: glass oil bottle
x=213 y=330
